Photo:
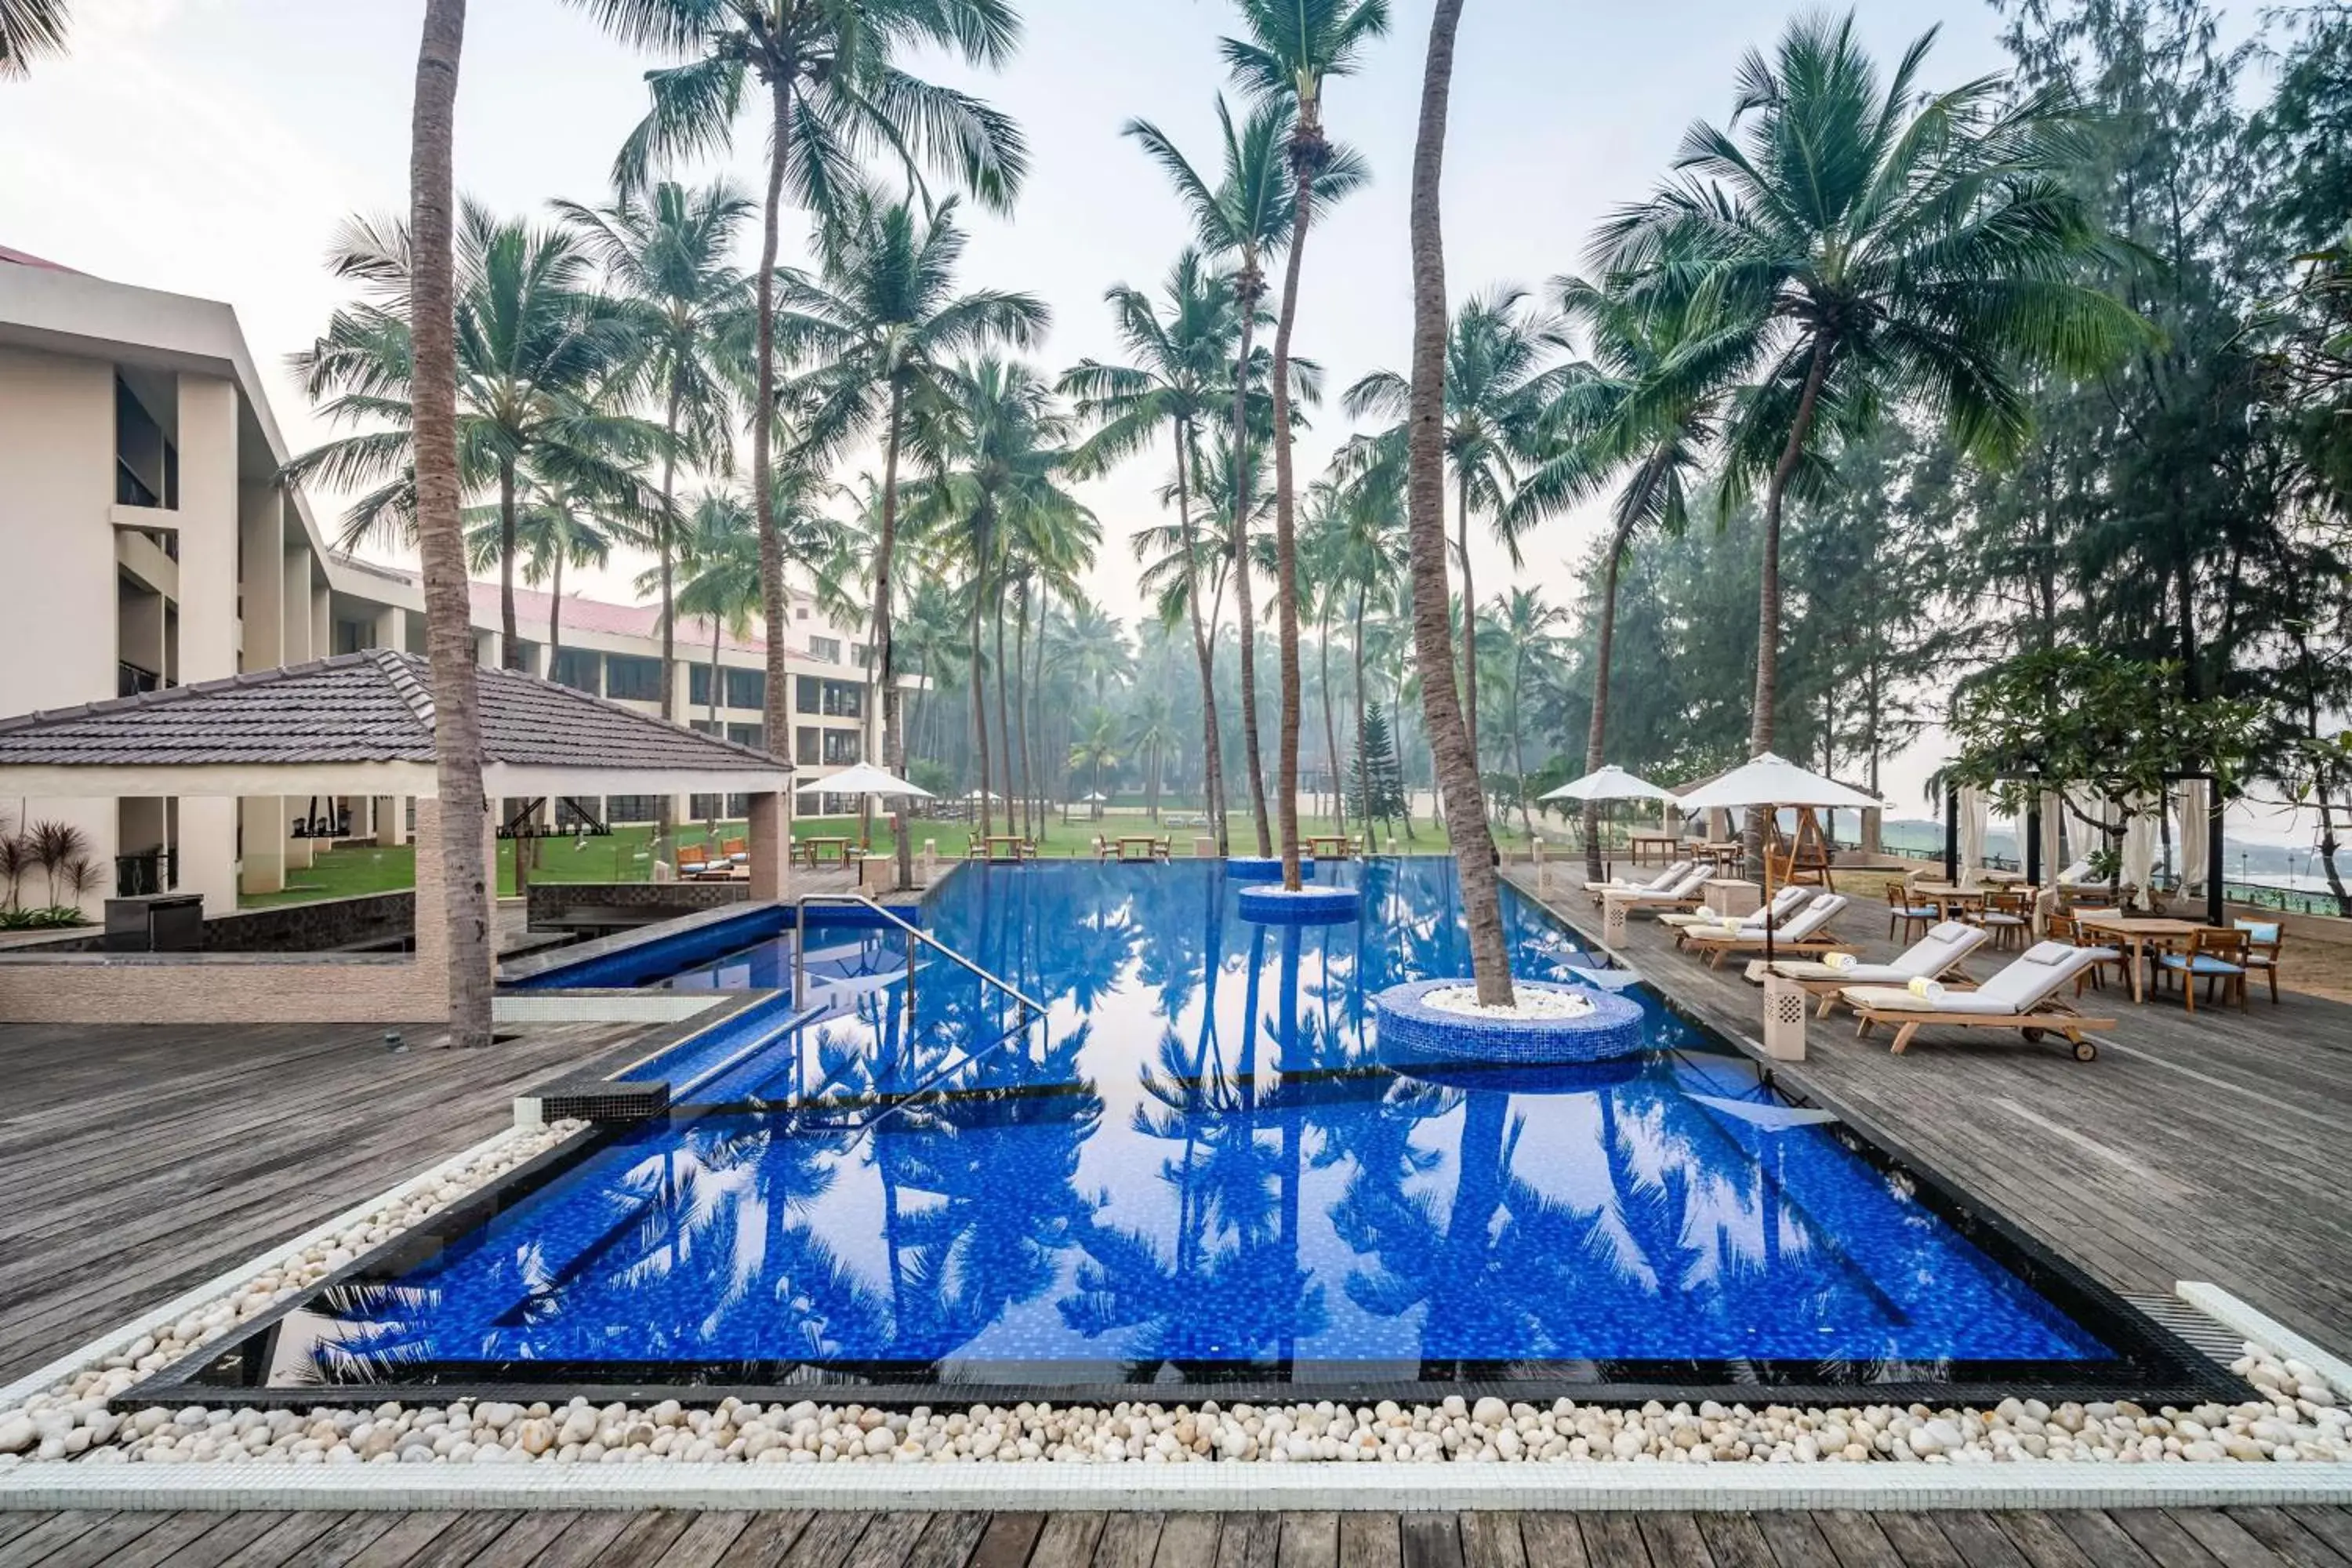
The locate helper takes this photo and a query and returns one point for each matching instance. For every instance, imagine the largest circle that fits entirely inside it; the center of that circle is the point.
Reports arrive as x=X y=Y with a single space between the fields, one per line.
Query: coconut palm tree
x=834 y=93
x=535 y=349
x=1497 y=387
x=29 y=29
x=718 y=549
x=1179 y=370
x=666 y=257
x=880 y=331
x=1647 y=405
x=1884 y=247
x=1097 y=748
x=1530 y=629
x=1294 y=48
x=429 y=325
x=555 y=527
x=1150 y=733
x=1441 y=707
x=1246 y=219
x=997 y=504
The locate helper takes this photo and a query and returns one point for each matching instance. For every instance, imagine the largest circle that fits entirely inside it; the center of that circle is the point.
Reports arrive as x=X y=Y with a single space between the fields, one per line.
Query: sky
x=211 y=147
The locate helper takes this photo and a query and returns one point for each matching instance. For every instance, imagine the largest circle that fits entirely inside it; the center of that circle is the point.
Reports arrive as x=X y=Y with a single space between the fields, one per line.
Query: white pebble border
x=1527 y=1003
x=2294 y=1443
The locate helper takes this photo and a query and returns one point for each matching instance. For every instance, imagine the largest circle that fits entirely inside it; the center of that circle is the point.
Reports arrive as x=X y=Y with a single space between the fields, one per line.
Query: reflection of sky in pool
x=1203 y=1169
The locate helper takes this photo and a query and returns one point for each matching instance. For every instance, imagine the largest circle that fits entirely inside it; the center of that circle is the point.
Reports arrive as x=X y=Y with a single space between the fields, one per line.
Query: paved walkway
x=2239 y=1538
x=2216 y=1146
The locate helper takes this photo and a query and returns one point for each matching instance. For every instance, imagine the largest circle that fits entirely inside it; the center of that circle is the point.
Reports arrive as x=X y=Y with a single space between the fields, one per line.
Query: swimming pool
x=1200 y=1173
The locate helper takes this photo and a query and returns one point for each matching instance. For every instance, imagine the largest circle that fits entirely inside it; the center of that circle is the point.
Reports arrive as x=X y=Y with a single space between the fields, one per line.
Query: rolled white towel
x=1838 y=961
x=1927 y=990
x=1706 y=916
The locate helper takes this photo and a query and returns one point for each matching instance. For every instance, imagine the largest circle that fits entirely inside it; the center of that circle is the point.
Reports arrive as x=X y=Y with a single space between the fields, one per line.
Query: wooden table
x=2137 y=935
x=1138 y=847
x=1949 y=896
x=1330 y=846
x=1721 y=852
x=1003 y=845
x=820 y=850
x=1641 y=845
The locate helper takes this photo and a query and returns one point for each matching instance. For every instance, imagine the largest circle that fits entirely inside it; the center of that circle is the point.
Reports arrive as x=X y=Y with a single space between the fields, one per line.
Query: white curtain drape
x=2140 y=835
x=2053 y=817
x=2189 y=830
x=1975 y=813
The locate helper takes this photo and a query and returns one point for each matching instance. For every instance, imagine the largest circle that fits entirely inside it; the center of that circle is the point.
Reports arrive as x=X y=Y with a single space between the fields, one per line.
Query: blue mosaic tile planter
x=1277 y=906
x=1411 y=1030
x=1261 y=869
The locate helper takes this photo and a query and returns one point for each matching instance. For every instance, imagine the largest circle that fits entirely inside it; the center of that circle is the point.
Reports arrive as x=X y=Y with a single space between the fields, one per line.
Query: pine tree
x=1378 y=782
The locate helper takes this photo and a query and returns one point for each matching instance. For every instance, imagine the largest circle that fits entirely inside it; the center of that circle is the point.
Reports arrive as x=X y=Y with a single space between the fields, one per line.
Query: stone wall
x=552 y=904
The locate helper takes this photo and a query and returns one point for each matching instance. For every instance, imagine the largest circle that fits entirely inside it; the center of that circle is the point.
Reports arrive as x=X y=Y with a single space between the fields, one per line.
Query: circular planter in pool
x=1262 y=868
x=1279 y=906
x=1605 y=1028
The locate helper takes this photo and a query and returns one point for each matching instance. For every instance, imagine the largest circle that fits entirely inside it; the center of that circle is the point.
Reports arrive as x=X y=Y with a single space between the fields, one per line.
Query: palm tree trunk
x=1029 y=794
x=441 y=543
x=1519 y=745
x=1330 y=726
x=1596 y=734
x=878 y=654
x=1212 y=745
x=509 y=641
x=1285 y=531
x=1469 y=622
x=713 y=707
x=555 y=610
x=1358 y=652
x=777 y=718
x=1003 y=719
x=1249 y=295
x=980 y=700
x=665 y=556
x=1457 y=768
x=1768 y=598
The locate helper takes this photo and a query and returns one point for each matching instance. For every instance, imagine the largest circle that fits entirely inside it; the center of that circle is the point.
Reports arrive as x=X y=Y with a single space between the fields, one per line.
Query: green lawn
x=625 y=856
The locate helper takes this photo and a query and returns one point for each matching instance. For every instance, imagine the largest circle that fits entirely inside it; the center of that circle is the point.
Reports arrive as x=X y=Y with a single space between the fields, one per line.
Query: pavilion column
x=296 y=622
x=768 y=841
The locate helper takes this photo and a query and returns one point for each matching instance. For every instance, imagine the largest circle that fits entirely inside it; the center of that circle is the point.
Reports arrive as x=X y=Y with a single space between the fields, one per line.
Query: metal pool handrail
x=1031 y=1006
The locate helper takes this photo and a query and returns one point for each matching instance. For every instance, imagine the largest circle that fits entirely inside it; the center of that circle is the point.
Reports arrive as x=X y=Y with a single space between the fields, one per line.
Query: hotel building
x=150 y=542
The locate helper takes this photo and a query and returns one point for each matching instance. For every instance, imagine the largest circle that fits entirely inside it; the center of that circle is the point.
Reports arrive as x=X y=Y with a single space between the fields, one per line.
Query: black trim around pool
x=2154 y=1367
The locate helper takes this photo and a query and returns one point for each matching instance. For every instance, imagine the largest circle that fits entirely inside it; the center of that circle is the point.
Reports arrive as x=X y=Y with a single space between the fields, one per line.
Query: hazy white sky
x=210 y=147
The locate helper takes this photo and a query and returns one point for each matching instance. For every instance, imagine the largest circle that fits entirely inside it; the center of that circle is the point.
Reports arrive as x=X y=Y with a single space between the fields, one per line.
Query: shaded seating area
x=360 y=725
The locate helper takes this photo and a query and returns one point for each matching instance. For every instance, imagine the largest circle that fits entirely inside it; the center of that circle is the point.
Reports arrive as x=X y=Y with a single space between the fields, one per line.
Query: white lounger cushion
x=1944 y=945
x=1687 y=888
x=2080 y=871
x=2028 y=982
x=1662 y=879
x=1810 y=918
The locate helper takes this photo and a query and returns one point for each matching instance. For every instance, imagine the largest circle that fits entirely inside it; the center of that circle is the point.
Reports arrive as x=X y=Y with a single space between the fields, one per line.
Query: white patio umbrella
x=1774 y=782
x=866 y=779
x=1611 y=783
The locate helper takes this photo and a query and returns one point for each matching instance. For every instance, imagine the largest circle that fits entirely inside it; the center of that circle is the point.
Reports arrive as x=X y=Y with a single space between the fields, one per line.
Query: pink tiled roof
x=595 y=615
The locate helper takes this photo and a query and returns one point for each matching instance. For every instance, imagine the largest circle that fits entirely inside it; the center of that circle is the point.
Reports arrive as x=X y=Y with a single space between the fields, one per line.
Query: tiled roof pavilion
x=361 y=724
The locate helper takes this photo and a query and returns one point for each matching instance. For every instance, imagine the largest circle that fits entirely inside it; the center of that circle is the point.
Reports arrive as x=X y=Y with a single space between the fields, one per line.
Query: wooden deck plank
x=283 y=1541
x=1795 y=1543
x=888 y=1541
x=1187 y=1540
x=2101 y=1539
x=2275 y=1529
x=1246 y=1540
x=1491 y=1539
x=1429 y=1541
x=1921 y=1544
x=1674 y=1537
x=824 y=1541
x=33 y=1547
x=948 y=1540
x=2229 y=1543
x=175 y=1531
x=341 y=1541
x=1008 y=1539
x=2157 y=1534
x=1734 y=1540
x=651 y=1538
x=583 y=1539
x=2332 y=1525
x=1979 y=1539
x=233 y=1538
x=1616 y=1539
x=410 y=1534
x=1368 y=1540
x=2040 y=1541
x=1067 y=1540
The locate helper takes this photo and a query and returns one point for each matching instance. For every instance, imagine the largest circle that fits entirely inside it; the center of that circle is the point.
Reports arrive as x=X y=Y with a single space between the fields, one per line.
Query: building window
x=704 y=727
x=698 y=685
x=753 y=735
x=747 y=689
x=633 y=679
x=805 y=745
x=842 y=748
x=577 y=668
x=567 y=815
x=830 y=699
x=861 y=655
x=825 y=650
x=631 y=808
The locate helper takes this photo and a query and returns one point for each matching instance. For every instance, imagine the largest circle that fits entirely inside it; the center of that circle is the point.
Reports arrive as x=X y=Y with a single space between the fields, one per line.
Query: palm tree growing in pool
x=881 y=330
x=1880 y=247
x=1293 y=49
x=1648 y=406
x=1449 y=739
x=536 y=349
x=1180 y=367
x=1246 y=219
x=835 y=91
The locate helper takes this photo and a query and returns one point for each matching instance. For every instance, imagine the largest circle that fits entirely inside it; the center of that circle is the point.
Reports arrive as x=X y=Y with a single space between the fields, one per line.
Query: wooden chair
x=2217 y=955
x=2007 y=916
x=2263 y=939
x=1904 y=909
x=736 y=849
x=2065 y=925
x=693 y=859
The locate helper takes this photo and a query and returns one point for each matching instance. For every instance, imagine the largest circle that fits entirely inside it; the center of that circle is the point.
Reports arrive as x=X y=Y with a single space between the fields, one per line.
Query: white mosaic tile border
x=1046 y=1485
x=632 y=1007
x=2267 y=1331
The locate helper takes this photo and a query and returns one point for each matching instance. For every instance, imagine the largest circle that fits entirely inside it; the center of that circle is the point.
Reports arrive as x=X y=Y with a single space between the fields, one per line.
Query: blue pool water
x=1200 y=1168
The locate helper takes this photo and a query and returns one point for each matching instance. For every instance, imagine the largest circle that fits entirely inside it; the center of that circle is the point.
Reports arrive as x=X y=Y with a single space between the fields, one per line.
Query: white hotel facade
x=149 y=542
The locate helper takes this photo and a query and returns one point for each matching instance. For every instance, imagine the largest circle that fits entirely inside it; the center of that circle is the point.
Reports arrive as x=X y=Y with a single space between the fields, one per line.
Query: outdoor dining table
x=2138 y=933
x=821 y=849
x=1138 y=847
x=1948 y=896
x=1003 y=845
x=1642 y=845
x=1330 y=846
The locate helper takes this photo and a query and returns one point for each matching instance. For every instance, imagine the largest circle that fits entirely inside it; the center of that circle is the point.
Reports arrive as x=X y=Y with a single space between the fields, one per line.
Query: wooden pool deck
x=2239 y=1538
x=2213 y=1146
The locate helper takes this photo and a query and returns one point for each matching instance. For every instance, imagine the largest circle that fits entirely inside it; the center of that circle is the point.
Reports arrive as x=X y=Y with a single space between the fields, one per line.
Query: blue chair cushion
x=2262 y=933
x=2201 y=964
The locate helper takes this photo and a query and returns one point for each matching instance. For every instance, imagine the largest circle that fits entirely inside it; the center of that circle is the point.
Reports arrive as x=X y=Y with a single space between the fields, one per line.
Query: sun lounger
x=1662 y=879
x=1807 y=930
x=2022 y=997
x=1785 y=902
x=1680 y=894
x=1935 y=956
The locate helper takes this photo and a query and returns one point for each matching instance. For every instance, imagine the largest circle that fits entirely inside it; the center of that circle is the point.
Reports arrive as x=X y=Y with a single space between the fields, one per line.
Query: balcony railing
x=130 y=679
